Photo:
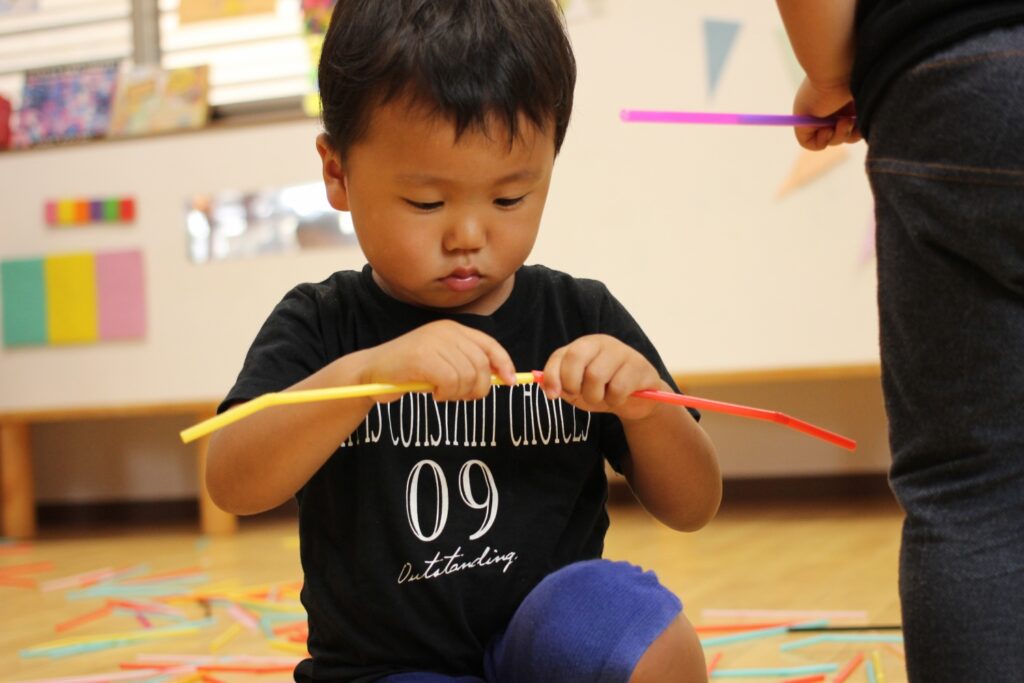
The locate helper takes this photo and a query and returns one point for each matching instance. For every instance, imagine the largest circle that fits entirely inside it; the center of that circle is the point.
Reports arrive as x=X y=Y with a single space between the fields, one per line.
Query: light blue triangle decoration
x=718 y=39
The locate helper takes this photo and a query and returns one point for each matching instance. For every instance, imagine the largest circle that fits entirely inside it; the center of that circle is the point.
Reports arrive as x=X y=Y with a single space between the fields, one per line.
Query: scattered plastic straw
x=147 y=673
x=837 y=638
x=83 y=618
x=869 y=670
x=713 y=664
x=719 y=613
x=244 y=410
x=232 y=632
x=726 y=628
x=876 y=659
x=850 y=667
x=768 y=672
x=750 y=635
x=713 y=118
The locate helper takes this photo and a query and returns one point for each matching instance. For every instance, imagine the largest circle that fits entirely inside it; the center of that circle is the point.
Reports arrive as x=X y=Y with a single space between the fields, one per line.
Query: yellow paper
x=66 y=211
x=71 y=308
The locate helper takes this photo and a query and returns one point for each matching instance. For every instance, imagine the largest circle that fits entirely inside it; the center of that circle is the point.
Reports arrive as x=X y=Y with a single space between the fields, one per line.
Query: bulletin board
x=734 y=249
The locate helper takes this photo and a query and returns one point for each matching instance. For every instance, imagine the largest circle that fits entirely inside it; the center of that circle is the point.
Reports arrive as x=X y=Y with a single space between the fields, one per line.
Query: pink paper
x=122 y=295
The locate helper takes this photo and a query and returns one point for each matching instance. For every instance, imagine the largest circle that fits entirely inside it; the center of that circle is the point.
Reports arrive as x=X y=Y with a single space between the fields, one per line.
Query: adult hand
x=825 y=100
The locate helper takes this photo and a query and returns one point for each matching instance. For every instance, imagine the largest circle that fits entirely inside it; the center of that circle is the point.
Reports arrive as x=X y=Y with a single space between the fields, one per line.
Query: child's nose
x=466 y=233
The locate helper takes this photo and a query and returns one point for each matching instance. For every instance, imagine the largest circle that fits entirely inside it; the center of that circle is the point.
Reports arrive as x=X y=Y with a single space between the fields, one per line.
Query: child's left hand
x=598 y=373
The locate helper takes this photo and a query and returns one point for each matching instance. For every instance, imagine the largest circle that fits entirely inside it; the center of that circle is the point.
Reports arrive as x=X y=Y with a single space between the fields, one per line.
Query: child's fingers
x=626 y=379
x=497 y=359
x=470 y=357
x=570 y=372
x=597 y=374
x=452 y=374
x=551 y=384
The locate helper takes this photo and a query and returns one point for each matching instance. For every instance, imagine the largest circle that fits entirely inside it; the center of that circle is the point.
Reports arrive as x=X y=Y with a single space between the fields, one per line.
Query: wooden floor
x=793 y=556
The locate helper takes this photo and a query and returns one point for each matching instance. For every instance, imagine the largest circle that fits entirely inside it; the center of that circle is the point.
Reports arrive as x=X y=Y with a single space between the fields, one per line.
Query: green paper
x=23 y=294
x=112 y=210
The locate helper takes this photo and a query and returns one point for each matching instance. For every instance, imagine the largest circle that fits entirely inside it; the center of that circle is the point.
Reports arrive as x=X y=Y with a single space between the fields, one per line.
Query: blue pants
x=590 y=622
x=946 y=163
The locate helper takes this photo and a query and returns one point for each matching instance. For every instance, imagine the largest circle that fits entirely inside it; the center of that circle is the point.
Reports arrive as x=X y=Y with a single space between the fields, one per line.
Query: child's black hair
x=466 y=60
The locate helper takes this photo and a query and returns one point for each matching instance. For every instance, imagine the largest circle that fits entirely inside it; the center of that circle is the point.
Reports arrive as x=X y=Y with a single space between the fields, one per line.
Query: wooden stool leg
x=17 y=488
x=212 y=520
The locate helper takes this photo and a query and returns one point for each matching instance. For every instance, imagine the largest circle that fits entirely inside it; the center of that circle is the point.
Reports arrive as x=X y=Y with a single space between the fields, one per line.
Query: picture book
x=66 y=103
x=154 y=100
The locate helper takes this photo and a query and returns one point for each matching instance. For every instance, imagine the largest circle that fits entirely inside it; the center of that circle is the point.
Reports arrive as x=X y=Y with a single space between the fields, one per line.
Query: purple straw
x=644 y=116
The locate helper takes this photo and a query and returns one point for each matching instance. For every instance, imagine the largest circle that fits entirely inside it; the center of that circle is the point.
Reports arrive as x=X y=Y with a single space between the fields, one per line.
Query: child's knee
x=591 y=620
x=675 y=656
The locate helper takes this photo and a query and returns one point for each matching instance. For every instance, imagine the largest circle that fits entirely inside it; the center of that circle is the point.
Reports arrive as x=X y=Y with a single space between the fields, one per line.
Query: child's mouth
x=461 y=280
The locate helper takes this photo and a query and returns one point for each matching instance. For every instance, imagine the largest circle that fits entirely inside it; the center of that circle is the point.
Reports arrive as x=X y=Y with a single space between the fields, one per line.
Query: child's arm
x=259 y=462
x=822 y=35
x=672 y=467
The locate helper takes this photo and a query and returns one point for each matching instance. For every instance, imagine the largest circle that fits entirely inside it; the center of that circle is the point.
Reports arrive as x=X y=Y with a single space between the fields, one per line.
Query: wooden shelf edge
x=778 y=375
x=71 y=413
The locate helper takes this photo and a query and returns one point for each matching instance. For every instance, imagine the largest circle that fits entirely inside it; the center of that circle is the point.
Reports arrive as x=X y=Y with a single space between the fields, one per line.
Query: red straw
x=806 y=679
x=714 y=662
x=23 y=568
x=845 y=672
x=83 y=618
x=18 y=582
x=741 y=411
x=727 y=628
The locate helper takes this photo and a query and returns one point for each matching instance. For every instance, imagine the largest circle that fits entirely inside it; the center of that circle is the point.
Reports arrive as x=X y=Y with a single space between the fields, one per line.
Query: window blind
x=44 y=33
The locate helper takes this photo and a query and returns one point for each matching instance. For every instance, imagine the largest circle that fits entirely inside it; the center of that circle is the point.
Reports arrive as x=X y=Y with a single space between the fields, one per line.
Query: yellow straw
x=294 y=648
x=190 y=678
x=229 y=634
x=876 y=659
x=243 y=410
x=132 y=636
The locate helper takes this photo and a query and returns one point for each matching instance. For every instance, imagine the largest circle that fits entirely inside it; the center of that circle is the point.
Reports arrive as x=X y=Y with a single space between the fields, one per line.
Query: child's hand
x=814 y=99
x=456 y=359
x=598 y=373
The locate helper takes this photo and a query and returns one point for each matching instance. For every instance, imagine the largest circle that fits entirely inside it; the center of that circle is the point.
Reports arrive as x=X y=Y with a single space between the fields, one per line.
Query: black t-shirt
x=893 y=35
x=425 y=530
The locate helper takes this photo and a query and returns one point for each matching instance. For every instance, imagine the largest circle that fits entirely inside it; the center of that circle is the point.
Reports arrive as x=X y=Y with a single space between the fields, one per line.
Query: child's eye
x=424 y=206
x=508 y=203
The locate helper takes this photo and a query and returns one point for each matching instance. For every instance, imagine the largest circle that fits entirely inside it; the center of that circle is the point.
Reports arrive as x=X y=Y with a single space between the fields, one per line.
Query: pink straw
x=714 y=118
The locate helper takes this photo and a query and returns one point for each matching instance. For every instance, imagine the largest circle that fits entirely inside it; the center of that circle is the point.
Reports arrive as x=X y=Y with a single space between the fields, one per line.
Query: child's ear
x=334 y=174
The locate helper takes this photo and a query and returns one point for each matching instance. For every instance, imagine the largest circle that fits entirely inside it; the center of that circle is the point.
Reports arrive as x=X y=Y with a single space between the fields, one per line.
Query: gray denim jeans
x=946 y=164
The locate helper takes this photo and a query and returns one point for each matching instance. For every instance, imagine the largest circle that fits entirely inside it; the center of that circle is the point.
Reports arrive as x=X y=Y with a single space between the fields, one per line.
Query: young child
x=456 y=536
x=939 y=92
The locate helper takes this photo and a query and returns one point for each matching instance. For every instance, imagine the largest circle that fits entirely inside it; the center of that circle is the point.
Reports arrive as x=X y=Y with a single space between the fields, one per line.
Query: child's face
x=444 y=223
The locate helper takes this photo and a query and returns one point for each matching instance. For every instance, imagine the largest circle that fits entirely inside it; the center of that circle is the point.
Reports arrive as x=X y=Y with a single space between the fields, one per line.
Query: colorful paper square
x=23 y=296
x=121 y=294
x=71 y=298
x=66 y=212
x=127 y=212
x=81 y=211
x=111 y=210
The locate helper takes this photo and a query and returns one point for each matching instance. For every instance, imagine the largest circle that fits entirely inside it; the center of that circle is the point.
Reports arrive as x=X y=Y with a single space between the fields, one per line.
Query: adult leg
x=946 y=162
x=596 y=622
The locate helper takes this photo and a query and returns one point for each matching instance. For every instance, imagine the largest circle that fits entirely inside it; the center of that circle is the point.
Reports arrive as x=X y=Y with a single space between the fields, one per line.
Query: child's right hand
x=457 y=360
